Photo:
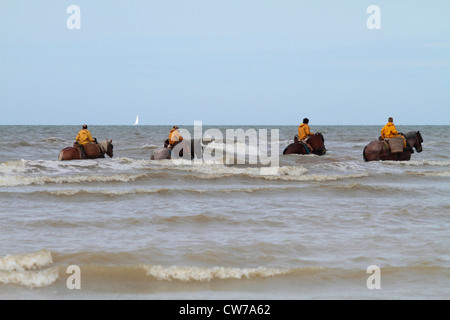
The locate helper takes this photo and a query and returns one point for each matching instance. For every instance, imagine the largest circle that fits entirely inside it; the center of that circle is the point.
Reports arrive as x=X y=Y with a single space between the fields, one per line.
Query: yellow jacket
x=174 y=136
x=389 y=131
x=304 y=132
x=84 y=137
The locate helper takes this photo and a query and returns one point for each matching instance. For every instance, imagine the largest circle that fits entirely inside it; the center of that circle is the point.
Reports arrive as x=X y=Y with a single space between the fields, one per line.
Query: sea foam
x=30 y=270
x=208 y=274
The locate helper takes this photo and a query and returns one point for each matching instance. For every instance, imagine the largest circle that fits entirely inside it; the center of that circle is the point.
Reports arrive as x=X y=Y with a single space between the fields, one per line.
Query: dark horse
x=316 y=141
x=192 y=147
x=76 y=153
x=376 y=150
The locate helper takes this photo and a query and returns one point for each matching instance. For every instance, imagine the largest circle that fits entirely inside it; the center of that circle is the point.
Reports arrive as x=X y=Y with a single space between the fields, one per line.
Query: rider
x=304 y=133
x=389 y=131
x=84 y=136
x=174 y=137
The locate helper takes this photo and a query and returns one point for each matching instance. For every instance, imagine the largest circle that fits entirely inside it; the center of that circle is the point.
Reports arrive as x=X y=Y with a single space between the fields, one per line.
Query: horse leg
x=196 y=149
x=404 y=156
x=82 y=152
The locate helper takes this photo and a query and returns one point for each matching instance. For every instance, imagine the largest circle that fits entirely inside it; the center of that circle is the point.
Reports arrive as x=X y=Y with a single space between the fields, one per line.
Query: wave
x=28 y=270
x=209 y=274
x=284 y=173
x=149 y=146
x=319 y=177
x=188 y=274
x=37 y=270
x=12 y=181
x=201 y=172
x=196 y=218
x=52 y=139
x=32 y=144
x=371 y=189
x=442 y=163
x=444 y=173
x=44 y=166
x=106 y=271
x=17 y=144
x=239 y=149
x=9 y=167
x=28 y=172
x=142 y=147
x=91 y=166
x=358 y=187
x=30 y=279
x=29 y=261
x=213 y=170
x=146 y=191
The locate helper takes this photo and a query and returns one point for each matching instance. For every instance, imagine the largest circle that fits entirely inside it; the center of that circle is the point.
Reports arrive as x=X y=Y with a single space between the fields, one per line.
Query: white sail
x=137 y=120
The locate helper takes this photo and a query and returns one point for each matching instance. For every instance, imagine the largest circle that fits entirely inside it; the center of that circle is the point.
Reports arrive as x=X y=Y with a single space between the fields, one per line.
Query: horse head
x=415 y=139
x=418 y=143
x=107 y=147
x=197 y=148
x=317 y=142
x=110 y=150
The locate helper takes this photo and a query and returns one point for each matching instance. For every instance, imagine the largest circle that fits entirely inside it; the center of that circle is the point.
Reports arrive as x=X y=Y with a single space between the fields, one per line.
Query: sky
x=233 y=62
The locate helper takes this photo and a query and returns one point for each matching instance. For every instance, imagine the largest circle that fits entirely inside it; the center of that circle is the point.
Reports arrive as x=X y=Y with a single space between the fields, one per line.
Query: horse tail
x=60 y=156
x=364 y=154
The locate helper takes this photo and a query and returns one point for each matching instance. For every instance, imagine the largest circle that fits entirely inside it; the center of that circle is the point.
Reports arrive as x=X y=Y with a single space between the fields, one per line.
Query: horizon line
x=171 y=125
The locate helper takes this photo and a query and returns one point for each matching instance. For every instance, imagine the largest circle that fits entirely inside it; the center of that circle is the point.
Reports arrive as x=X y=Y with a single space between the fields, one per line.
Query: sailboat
x=137 y=120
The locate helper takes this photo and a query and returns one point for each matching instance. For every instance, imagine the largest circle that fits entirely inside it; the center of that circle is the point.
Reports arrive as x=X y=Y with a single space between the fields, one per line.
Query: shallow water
x=147 y=229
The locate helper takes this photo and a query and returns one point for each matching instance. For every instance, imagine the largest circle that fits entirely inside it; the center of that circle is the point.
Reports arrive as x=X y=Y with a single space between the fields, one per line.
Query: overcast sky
x=224 y=62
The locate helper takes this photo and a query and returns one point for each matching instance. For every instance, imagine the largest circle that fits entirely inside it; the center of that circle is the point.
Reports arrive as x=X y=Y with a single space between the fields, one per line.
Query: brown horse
x=316 y=141
x=193 y=147
x=376 y=150
x=76 y=153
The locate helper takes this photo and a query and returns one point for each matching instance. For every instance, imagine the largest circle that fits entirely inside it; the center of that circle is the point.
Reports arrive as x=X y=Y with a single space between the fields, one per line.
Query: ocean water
x=143 y=229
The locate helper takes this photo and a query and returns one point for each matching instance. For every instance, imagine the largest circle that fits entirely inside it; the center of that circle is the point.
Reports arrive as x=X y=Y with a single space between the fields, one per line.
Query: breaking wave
x=123 y=170
x=105 y=272
x=52 y=139
x=28 y=270
x=11 y=181
x=208 y=274
x=137 y=191
x=443 y=173
x=420 y=163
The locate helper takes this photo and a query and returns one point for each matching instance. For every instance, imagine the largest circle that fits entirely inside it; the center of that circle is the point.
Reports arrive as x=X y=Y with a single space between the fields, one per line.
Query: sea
x=303 y=227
